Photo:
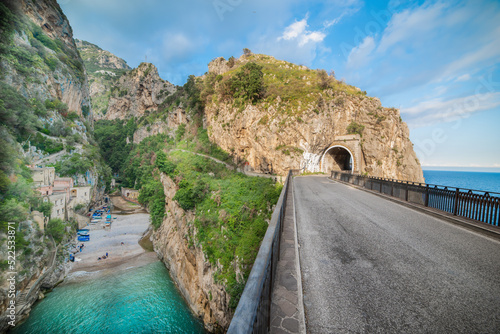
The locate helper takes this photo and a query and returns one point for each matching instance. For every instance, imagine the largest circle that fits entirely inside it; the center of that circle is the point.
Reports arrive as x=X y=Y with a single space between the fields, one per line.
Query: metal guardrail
x=482 y=206
x=252 y=314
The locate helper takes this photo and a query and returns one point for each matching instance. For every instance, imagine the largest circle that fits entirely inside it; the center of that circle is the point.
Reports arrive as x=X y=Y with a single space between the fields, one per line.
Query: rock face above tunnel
x=302 y=117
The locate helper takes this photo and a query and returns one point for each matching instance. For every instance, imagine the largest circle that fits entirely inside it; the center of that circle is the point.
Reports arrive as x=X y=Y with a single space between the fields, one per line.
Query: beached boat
x=84 y=231
x=84 y=238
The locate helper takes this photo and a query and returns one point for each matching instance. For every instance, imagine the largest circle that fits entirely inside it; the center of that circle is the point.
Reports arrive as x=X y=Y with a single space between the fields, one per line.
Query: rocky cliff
x=192 y=273
x=44 y=98
x=39 y=56
x=136 y=93
x=99 y=60
x=103 y=70
x=167 y=125
x=306 y=119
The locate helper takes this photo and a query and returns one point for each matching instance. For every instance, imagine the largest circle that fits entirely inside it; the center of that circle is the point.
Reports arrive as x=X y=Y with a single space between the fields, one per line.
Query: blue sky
x=438 y=61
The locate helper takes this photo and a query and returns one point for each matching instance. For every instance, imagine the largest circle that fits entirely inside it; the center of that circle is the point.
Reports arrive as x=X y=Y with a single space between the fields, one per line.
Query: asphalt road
x=370 y=265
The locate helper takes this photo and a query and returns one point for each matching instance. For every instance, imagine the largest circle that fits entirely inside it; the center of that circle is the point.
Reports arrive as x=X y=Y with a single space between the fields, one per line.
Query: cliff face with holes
x=301 y=115
x=192 y=273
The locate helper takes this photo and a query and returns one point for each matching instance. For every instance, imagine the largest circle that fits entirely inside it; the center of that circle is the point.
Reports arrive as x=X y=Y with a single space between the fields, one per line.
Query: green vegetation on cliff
x=265 y=81
x=231 y=209
x=45 y=53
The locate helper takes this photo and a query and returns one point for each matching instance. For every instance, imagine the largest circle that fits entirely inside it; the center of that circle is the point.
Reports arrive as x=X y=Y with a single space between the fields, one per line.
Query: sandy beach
x=120 y=241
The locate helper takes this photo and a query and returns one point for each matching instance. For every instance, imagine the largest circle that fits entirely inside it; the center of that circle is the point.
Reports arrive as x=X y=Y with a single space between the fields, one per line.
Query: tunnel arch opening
x=337 y=158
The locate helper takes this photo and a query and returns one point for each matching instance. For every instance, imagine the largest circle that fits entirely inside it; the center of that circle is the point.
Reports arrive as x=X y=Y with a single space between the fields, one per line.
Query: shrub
x=179 y=133
x=85 y=111
x=153 y=196
x=44 y=39
x=248 y=82
x=324 y=79
x=55 y=228
x=51 y=62
x=231 y=61
x=72 y=116
x=57 y=105
x=165 y=165
x=355 y=128
x=190 y=193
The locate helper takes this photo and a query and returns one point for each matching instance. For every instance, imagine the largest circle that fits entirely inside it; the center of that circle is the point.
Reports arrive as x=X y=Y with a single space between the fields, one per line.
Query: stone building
x=80 y=195
x=59 y=208
x=43 y=175
x=130 y=194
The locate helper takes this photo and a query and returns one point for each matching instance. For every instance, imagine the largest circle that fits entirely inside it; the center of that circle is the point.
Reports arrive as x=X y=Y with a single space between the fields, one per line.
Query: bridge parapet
x=252 y=314
x=478 y=205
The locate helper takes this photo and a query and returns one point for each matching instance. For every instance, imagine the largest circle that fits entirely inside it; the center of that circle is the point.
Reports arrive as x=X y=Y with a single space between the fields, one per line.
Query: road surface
x=370 y=265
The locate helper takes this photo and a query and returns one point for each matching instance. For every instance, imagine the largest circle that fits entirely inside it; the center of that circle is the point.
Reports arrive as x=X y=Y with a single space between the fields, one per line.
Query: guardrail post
x=392 y=189
x=426 y=195
x=406 y=195
x=455 y=209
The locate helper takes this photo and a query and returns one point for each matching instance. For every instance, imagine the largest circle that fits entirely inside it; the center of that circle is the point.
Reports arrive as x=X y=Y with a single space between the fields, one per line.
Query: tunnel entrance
x=337 y=158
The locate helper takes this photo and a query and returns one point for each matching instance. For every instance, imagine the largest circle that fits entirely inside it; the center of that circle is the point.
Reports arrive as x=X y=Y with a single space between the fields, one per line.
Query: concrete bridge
x=351 y=261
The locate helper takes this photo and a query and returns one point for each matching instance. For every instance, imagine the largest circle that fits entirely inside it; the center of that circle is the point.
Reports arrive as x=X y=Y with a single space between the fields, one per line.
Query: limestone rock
x=316 y=130
x=138 y=91
x=188 y=267
x=66 y=79
x=100 y=59
x=218 y=66
x=169 y=126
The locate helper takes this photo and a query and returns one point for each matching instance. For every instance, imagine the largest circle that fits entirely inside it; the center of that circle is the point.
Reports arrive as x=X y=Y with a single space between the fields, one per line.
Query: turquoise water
x=140 y=300
x=469 y=180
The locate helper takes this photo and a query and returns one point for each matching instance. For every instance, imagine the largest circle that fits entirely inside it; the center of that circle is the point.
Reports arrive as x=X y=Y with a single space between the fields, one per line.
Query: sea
x=475 y=180
x=139 y=300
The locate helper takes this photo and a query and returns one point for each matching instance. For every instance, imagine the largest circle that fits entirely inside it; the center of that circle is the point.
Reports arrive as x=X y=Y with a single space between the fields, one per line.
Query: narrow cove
x=138 y=300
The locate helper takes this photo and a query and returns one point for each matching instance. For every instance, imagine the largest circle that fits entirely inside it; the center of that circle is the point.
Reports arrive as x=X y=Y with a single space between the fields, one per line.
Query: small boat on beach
x=84 y=231
x=84 y=238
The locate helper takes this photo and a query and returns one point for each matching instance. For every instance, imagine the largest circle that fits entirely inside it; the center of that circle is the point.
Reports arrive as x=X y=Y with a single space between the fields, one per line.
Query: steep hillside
x=38 y=55
x=138 y=93
x=275 y=115
x=103 y=70
x=44 y=121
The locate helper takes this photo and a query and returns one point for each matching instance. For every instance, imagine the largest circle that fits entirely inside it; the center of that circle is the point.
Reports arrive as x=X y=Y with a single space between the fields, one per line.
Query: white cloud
x=465 y=77
x=411 y=24
x=359 y=54
x=294 y=30
x=438 y=110
x=297 y=31
x=486 y=55
x=347 y=12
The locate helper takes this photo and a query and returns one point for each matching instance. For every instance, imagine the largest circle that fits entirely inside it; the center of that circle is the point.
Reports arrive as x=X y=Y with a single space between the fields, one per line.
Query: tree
x=55 y=228
x=12 y=210
x=324 y=79
x=248 y=83
x=247 y=52
x=46 y=208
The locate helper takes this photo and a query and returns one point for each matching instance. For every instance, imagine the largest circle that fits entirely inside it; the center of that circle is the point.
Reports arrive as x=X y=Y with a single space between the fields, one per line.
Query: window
x=58 y=211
